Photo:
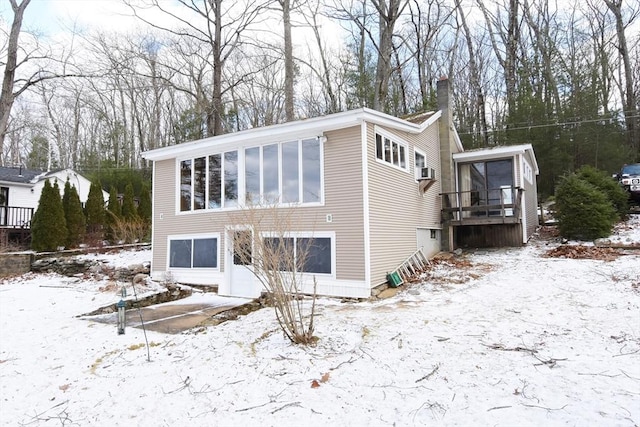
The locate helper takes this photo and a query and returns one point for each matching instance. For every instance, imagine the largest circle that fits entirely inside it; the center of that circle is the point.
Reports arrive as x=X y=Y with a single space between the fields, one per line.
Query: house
x=20 y=191
x=366 y=186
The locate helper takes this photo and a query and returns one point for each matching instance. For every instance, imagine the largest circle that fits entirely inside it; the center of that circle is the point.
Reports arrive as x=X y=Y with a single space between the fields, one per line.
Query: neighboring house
x=366 y=186
x=20 y=191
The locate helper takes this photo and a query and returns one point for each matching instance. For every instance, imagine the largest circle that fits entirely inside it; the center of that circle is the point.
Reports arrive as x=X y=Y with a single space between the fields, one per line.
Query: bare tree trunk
x=288 y=61
x=388 y=14
x=218 y=63
x=508 y=61
x=326 y=76
x=631 y=111
x=479 y=110
x=7 y=96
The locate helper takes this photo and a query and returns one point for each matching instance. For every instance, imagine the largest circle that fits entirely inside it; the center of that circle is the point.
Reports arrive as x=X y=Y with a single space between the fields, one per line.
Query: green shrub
x=48 y=226
x=582 y=210
x=114 y=203
x=74 y=216
x=128 y=205
x=95 y=210
x=614 y=192
x=113 y=214
x=144 y=210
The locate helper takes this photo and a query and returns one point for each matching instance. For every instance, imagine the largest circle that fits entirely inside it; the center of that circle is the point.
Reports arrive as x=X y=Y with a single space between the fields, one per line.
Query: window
x=230 y=179
x=304 y=254
x=252 y=174
x=420 y=162
x=391 y=151
x=270 y=181
x=215 y=181
x=316 y=253
x=185 y=185
x=261 y=169
x=289 y=172
x=199 y=182
x=193 y=253
x=487 y=183
x=311 y=170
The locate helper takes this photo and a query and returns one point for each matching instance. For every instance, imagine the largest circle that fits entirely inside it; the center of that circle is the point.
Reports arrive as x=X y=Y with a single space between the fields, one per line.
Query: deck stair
x=412 y=266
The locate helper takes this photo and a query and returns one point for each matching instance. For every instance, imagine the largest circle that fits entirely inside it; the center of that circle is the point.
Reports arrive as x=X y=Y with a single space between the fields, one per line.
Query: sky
x=59 y=16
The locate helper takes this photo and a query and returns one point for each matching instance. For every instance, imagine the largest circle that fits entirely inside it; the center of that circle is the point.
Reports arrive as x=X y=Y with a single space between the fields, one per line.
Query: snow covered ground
x=493 y=337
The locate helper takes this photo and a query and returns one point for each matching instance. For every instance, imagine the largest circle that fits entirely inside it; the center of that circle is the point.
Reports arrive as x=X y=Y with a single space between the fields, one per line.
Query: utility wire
x=505 y=129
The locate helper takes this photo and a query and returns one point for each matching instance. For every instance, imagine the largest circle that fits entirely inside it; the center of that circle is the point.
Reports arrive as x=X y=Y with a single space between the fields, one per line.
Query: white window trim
x=416 y=174
x=241 y=200
x=308 y=234
x=193 y=237
x=394 y=139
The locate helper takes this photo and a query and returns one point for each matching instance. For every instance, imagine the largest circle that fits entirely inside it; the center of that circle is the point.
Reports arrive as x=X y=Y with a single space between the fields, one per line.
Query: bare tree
x=289 y=69
x=427 y=21
x=630 y=98
x=7 y=96
x=325 y=70
x=389 y=12
x=510 y=39
x=478 y=101
x=209 y=32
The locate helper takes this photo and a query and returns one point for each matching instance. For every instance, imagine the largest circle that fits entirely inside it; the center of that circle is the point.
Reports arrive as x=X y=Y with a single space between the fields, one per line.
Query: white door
x=242 y=282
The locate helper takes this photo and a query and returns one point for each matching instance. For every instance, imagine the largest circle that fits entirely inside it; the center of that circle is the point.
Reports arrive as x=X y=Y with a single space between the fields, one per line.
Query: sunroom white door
x=242 y=282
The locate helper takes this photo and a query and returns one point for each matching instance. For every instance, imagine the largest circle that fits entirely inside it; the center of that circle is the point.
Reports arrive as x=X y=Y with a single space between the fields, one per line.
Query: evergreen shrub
x=603 y=182
x=48 y=225
x=95 y=210
x=74 y=216
x=583 y=211
x=128 y=205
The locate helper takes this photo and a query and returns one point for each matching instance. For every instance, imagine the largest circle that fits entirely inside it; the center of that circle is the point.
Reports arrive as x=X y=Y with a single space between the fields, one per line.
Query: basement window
x=193 y=253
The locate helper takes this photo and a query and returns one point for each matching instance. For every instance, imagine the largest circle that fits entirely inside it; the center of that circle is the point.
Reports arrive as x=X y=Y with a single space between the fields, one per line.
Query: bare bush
x=265 y=244
x=132 y=230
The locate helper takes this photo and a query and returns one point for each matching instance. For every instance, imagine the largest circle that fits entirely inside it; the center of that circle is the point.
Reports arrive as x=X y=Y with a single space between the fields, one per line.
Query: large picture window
x=302 y=254
x=283 y=173
x=193 y=253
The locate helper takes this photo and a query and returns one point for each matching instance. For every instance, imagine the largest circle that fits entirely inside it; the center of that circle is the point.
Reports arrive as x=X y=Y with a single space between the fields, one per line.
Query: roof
x=299 y=129
x=19 y=175
x=498 y=152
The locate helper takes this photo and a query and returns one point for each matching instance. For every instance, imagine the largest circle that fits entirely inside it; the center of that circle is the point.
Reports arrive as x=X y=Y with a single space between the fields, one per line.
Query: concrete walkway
x=176 y=316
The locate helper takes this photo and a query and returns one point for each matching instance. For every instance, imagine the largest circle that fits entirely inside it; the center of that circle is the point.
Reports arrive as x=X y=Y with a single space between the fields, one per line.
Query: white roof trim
x=492 y=153
x=298 y=129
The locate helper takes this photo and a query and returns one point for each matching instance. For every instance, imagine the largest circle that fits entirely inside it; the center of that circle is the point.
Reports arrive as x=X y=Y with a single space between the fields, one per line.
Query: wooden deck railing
x=15 y=217
x=497 y=205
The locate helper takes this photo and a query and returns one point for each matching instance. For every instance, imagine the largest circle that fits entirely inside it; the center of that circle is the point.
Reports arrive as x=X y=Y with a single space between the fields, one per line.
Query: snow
x=493 y=337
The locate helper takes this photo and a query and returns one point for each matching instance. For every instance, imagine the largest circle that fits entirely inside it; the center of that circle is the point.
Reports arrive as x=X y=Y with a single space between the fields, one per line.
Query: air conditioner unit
x=427 y=173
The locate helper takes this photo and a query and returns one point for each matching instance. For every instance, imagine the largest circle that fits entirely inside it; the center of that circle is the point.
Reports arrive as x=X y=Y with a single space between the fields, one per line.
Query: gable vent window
x=390 y=151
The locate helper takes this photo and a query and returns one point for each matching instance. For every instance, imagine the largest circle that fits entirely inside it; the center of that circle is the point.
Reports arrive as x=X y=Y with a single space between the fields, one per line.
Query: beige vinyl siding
x=343 y=201
x=396 y=206
x=163 y=207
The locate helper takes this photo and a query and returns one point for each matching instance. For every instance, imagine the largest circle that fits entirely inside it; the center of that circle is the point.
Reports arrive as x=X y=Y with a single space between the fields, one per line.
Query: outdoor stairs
x=412 y=266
